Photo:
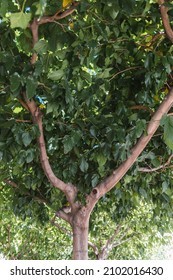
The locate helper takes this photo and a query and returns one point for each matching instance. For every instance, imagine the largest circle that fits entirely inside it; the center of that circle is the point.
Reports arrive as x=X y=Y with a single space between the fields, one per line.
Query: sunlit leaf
x=20 y=20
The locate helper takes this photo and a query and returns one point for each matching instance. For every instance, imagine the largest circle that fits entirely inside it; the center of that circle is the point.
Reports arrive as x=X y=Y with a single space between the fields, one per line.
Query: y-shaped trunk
x=80 y=227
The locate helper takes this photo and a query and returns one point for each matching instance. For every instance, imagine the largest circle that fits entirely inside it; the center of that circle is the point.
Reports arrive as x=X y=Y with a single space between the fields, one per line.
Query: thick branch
x=69 y=190
x=165 y=19
x=107 y=184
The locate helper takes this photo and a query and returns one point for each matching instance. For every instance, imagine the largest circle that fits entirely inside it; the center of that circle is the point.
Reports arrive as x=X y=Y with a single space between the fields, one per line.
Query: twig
x=61 y=228
x=36 y=198
x=165 y=165
x=116 y=244
x=142 y=107
x=123 y=71
x=23 y=121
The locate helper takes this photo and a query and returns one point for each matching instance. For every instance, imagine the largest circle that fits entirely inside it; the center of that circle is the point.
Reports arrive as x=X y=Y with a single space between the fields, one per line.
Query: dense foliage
x=100 y=74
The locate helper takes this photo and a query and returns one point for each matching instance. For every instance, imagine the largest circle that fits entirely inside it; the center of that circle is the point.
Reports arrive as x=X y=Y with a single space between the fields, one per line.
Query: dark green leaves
x=70 y=141
x=15 y=81
x=167 y=123
x=31 y=85
x=41 y=47
x=83 y=165
x=56 y=75
x=26 y=138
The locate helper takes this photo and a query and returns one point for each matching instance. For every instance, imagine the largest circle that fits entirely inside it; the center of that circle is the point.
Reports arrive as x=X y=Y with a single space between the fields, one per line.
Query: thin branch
x=163 y=166
x=165 y=20
x=11 y=183
x=59 y=15
x=65 y=216
x=123 y=71
x=94 y=247
x=108 y=246
x=34 y=26
x=34 y=30
x=116 y=244
x=110 y=240
x=23 y=121
x=64 y=230
x=23 y=104
x=34 y=197
x=142 y=107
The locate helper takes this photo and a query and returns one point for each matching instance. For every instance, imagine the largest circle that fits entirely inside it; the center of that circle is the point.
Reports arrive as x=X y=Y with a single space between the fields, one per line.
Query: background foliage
x=100 y=72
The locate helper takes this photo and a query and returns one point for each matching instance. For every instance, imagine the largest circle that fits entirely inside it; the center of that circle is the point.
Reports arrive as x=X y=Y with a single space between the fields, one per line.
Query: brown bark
x=69 y=190
x=165 y=20
x=80 y=227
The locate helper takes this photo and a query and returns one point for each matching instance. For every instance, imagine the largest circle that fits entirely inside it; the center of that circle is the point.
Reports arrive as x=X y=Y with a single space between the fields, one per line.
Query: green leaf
x=3 y=8
x=30 y=87
x=94 y=180
x=105 y=74
x=166 y=64
x=68 y=144
x=168 y=131
x=15 y=82
x=101 y=159
x=70 y=141
x=20 y=20
x=29 y=156
x=83 y=165
x=56 y=75
x=143 y=192
x=26 y=138
x=113 y=13
x=140 y=127
x=41 y=47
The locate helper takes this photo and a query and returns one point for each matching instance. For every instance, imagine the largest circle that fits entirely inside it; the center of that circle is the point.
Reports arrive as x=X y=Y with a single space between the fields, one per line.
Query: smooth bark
x=80 y=227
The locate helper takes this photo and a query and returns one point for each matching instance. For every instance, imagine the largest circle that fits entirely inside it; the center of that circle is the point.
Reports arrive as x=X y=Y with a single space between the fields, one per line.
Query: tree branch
x=59 y=15
x=34 y=26
x=165 y=165
x=108 y=183
x=34 y=197
x=110 y=244
x=65 y=216
x=142 y=107
x=69 y=190
x=165 y=20
x=116 y=244
x=64 y=230
x=123 y=71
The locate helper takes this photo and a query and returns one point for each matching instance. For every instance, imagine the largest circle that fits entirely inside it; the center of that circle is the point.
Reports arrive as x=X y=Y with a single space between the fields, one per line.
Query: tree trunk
x=80 y=227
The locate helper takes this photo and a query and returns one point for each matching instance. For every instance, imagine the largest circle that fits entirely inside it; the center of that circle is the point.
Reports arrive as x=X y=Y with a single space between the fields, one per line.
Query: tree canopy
x=83 y=87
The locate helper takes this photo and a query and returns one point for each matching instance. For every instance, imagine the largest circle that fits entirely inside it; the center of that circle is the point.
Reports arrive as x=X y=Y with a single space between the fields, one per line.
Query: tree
x=84 y=87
